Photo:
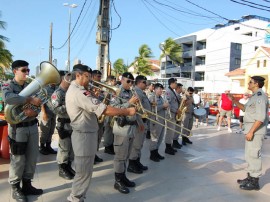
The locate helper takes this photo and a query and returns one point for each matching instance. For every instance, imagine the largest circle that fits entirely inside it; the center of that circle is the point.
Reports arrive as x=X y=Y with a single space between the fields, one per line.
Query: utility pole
x=50 y=46
x=102 y=38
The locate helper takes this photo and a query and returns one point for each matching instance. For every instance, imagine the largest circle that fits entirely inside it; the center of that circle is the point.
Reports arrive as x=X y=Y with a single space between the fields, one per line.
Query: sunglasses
x=130 y=81
x=144 y=82
x=25 y=70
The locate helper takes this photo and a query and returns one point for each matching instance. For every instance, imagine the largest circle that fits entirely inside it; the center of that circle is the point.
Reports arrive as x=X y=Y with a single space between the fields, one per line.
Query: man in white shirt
x=197 y=101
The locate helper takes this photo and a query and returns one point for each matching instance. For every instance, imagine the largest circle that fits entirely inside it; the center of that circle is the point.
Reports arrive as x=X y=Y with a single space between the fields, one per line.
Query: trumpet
x=146 y=112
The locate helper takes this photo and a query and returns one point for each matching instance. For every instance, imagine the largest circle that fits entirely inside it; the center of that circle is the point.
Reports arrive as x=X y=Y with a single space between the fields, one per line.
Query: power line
x=120 y=19
x=249 y=5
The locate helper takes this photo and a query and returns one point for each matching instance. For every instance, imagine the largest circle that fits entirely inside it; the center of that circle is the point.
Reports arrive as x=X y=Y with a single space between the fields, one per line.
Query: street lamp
x=69 y=26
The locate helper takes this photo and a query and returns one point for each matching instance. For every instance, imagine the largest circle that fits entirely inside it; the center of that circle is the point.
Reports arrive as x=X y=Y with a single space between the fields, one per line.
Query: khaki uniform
x=139 y=136
x=65 y=151
x=83 y=110
x=47 y=127
x=174 y=105
x=23 y=137
x=256 y=109
x=188 y=117
x=157 y=130
x=178 y=127
x=123 y=136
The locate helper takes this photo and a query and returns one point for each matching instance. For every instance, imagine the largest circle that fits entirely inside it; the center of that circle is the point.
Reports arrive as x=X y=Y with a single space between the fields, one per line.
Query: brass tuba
x=48 y=75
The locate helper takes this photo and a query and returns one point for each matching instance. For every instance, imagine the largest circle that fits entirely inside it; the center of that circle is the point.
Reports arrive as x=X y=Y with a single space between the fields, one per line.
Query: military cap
x=62 y=72
x=179 y=84
x=128 y=75
x=80 y=67
x=96 y=72
x=140 y=78
x=19 y=63
x=258 y=78
x=159 y=85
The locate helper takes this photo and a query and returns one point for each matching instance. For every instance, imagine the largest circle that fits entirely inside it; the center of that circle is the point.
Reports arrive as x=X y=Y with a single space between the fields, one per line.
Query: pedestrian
x=256 y=121
x=23 y=136
x=83 y=108
x=225 y=109
x=243 y=101
x=197 y=103
x=207 y=109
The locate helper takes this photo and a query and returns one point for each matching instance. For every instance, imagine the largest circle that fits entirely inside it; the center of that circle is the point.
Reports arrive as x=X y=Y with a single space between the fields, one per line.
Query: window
x=258 y=63
x=238 y=46
x=238 y=61
x=256 y=47
x=236 y=28
x=264 y=63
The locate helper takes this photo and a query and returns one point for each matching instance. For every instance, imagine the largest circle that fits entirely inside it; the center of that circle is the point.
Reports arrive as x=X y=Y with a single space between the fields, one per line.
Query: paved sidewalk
x=207 y=170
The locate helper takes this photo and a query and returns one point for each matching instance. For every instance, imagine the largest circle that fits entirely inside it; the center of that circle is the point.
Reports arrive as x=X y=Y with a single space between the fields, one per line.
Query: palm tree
x=172 y=50
x=5 y=55
x=119 y=67
x=142 y=63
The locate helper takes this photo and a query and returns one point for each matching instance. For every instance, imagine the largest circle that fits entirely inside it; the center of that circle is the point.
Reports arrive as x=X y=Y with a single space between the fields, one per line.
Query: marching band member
x=149 y=92
x=178 y=92
x=188 y=117
x=174 y=105
x=83 y=109
x=65 y=154
x=157 y=130
x=123 y=133
x=108 y=131
x=135 y=165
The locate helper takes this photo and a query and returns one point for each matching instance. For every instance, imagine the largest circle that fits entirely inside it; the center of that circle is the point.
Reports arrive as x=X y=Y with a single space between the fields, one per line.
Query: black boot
x=127 y=182
x=159 y=156
x=97 y=159
x=17 y=193
x=70 y=169
x=148 y=136
x=133 y=167
x=153 y=156
x=169 y=149
x=252 y=184
x=244 y=181
x=43 y=149
x=176 y=144
x=50 y=149
x=184 y=140
x=140 y=165
x=187 y=140
x=119 y=183
x=64 y=173
x=109 y=150
x=28 y=189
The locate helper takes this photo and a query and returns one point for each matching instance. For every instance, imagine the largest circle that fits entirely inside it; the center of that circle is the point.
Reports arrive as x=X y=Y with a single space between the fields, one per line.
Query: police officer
x=157 y=130
x=47 y=124
x=84 y=109
x=108 y=131
x=23 y=137
x=96 y=76
x=135 y=166
x=123 y=133
x=149 y=92
x=188 y=116
x=176 y=144
x=171 y=97
x=256 y=121
x=65 y=154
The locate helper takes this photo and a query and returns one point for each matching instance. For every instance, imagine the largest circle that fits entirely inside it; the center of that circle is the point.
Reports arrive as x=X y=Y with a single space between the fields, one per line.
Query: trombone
x=144 y=111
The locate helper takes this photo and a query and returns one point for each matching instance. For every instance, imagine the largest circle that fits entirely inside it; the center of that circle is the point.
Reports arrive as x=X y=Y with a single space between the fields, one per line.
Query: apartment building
x=211 y=53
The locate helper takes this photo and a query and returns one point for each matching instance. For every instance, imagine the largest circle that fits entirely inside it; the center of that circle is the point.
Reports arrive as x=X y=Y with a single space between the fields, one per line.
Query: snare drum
x=199 y=112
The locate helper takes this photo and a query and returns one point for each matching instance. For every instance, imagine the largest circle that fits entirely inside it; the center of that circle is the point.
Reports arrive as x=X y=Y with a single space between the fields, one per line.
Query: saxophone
x=181 y=110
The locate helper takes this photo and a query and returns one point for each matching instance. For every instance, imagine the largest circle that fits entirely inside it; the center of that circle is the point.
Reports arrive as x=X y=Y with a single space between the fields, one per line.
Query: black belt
x=63 y=120
x=26 y=124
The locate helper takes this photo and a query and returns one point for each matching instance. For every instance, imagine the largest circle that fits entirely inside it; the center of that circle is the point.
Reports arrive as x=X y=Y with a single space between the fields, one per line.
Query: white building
x=211 y=53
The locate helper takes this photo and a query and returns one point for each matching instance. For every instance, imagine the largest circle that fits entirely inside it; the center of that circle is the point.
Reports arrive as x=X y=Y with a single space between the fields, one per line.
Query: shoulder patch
x=259 y=93
x=5 y=84
x=87 y=93
x=54 y=97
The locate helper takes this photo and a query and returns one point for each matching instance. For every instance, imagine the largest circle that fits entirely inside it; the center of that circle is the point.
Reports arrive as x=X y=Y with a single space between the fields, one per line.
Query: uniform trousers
x=177 y=128
x=253 y=155
x=23 y=166
x=108 y=132
x=123 y=140
x=187 y=124
x=157 y=134
x=170 y=133
x=65 y=152
x=47 y=129
x=139 y=137
x=100 y=133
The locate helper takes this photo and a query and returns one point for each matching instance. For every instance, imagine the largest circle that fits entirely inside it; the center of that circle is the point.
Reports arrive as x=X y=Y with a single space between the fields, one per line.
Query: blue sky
x=28 y=26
